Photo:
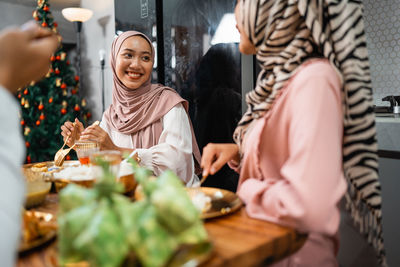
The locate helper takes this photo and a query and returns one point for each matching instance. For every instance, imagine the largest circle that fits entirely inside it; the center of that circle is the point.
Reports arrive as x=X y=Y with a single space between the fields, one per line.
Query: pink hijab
x=138 y=112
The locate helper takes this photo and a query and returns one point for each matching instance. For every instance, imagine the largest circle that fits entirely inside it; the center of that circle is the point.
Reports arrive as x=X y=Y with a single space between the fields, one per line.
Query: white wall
x=97 y=33
x=17 y=17
x=14 y=14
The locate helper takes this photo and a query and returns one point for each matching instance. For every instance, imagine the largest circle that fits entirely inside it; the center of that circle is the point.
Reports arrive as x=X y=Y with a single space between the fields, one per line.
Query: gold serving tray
x=27 y=246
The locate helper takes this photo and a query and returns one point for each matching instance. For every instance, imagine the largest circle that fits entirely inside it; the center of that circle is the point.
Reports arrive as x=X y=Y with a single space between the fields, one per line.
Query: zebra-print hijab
x=288 y=32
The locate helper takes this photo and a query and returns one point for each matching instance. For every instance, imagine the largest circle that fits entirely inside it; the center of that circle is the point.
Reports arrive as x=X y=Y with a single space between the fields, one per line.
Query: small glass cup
x=112 y=157
x=84 y=149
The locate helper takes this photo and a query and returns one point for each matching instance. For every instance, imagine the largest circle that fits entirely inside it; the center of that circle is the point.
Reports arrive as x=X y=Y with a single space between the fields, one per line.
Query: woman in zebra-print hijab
x=287 y=36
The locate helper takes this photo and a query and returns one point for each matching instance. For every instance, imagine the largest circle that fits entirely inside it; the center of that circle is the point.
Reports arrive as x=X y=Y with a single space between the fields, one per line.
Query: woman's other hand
x=67 y=129
x=95 y=133
x=215 y=156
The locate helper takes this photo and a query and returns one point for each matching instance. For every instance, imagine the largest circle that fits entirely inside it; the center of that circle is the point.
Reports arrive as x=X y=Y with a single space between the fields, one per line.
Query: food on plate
x=214 y=202
x=39 y=167
x=218 y=194
x=200 y=199
x=36 y=225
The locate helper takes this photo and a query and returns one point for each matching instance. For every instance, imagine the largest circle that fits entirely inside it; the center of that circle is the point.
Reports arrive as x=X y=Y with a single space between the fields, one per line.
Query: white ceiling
x=55 y=4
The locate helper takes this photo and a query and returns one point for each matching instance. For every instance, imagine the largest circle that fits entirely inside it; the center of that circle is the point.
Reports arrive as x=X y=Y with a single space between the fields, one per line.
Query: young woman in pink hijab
x=149 y=118
x=308 y=137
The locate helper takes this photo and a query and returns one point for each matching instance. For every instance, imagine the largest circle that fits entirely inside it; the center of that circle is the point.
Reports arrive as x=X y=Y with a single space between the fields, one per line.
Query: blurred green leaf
x=102 y=226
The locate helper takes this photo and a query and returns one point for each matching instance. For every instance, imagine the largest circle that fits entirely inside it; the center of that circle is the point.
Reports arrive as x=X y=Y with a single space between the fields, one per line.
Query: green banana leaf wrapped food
x=103 y=227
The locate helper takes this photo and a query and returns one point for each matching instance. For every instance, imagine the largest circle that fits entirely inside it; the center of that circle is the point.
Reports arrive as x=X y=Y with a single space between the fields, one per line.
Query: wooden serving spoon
x=59 y=157
x=61 y=154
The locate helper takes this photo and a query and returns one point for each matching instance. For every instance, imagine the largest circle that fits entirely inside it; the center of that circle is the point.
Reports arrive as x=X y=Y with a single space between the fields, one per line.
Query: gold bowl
x=36 y=187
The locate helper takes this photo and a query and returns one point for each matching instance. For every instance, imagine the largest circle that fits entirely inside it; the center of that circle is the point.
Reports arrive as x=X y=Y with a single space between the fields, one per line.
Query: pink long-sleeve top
x=291 y=171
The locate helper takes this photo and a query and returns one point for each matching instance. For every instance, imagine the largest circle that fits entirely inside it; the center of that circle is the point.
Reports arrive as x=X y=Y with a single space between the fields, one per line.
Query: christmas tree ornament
x=89 y=115
x=25 y=91
x=42 y=117
x=76 y=78
x=57 y=71
x=63 y=86
x=22 y=122
x=23 y=102
x=58 y=82
x=63 y=55
x=73 y=91
x=32 y=83
x=48 y=74
x=77 y=108
x=68 y=62
x=50 y=100
x=46 y=8
x=37 y=122
x=40 y=3
x=19 y=95
x=68 y=157
x=55 y=24
x=27 y=144
x=65 y=93
x=63 y=111
x=28 y=159
x=58 y=57
x=40 y=107
x=27 y=130
x=26 y=104
x=44 y=24
x=83 y=103
x=64 y=104
x=53 y=58
x=35 y=15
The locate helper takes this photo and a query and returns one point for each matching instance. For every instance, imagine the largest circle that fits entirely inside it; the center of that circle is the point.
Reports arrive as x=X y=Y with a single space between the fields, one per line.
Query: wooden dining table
x=238 y=240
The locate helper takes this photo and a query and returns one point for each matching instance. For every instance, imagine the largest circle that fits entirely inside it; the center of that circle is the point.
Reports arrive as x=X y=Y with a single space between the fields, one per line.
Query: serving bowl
x=85 y=175
x=36 y=187
x=71 y=172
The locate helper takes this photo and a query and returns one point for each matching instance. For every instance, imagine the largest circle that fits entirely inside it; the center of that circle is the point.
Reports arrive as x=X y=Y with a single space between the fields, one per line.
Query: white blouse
x=173 y=151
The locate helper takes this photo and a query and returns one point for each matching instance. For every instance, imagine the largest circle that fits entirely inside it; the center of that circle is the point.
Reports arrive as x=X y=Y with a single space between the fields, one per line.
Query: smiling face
x=134 y=62
x=245 y=45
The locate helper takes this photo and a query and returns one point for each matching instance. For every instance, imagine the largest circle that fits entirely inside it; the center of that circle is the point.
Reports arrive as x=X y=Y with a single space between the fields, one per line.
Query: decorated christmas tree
x=48 y=103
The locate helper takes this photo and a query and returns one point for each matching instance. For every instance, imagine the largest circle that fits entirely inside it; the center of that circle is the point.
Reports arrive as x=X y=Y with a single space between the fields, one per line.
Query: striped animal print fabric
x=288 y=32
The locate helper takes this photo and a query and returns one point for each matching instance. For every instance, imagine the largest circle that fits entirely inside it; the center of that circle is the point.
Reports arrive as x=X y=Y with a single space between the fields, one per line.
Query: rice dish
x=218 y=194
x=75 y=173
x=200 y=200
